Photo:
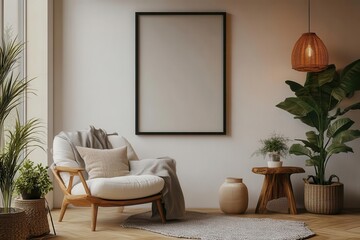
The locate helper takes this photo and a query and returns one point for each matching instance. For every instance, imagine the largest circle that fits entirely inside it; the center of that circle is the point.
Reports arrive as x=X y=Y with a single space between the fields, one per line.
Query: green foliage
x=33 y=177
x=20 y=136
x=317 y=105
x=275 y=143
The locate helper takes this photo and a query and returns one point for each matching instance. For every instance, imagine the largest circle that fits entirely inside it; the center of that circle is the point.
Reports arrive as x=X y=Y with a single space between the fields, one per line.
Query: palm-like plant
x=317 y=105
x=21 y=136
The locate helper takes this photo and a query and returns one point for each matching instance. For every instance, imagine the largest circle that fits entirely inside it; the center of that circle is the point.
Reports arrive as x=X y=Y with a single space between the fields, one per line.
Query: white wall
x=39 y=68
x=94 y=84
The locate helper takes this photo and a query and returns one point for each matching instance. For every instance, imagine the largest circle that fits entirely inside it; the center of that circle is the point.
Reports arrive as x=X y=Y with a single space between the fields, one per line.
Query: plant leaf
x=320 y=86
x=312 y=137
x=314 y=161
x=299 y=150
x=355 y=106
x=349 y=77
x=338 y=126
x=294 y=86
x=317 y=79
x=295 y=106
x=346 y=136
x=335 y=148
x=310 y=145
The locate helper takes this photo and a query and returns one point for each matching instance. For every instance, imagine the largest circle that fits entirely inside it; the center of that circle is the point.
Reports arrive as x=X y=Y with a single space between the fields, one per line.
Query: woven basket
x=13 y=225
x=324 y=199
x=36 y=215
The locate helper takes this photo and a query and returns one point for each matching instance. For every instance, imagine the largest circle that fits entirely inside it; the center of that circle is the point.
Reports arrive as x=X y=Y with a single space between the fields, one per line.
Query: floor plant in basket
x=14 y=140
x=317 y=104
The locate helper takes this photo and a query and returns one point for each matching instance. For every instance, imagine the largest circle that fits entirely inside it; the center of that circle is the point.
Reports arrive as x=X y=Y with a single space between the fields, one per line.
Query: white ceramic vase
x=273 y=160
x=233 y=196
x=272 y=164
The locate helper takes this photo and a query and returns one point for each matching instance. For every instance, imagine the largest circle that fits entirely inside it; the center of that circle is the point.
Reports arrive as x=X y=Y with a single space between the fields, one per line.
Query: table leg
x=289 y=193
x=260 y=205
x=267 y=192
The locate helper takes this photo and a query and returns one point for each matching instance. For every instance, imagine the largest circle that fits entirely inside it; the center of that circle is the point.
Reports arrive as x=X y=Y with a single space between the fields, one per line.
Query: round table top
x=278 y=170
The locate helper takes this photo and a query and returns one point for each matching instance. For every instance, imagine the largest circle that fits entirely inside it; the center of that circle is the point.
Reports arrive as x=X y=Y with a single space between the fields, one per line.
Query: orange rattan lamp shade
x=309 y=54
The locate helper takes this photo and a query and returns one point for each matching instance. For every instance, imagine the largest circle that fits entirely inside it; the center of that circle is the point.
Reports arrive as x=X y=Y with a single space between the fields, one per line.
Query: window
x=12 y=23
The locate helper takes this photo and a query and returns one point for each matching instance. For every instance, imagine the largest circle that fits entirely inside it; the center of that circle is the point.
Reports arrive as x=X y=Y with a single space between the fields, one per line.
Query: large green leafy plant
x=19 y=136
x=317 y=105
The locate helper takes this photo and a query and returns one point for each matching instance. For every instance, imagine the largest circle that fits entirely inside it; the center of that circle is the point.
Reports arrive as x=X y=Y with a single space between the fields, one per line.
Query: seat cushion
x=122 y=188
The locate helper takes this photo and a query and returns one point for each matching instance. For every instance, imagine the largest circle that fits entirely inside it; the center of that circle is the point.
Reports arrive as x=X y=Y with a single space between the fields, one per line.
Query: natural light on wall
x=12 y=23
x=31 y=23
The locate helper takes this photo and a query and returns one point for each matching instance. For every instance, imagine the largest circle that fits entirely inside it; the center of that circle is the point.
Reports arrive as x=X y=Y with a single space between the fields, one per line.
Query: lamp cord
x=309 y=15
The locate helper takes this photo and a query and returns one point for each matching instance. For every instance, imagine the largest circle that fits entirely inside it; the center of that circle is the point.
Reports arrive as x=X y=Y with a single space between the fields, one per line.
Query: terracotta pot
x=324 y=199
x=233 y=196
x=13 y=225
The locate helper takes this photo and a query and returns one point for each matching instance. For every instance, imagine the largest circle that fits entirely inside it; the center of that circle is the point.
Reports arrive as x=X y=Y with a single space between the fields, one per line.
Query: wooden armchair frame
x=95 y=202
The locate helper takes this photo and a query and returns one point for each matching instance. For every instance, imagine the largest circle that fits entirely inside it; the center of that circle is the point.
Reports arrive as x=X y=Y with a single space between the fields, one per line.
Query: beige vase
x=233 y=196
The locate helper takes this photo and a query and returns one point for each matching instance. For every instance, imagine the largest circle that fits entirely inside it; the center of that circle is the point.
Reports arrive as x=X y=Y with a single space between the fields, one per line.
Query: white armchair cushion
x=122 y=188
x=63 y=155
x=105 y=163
x=119 y=141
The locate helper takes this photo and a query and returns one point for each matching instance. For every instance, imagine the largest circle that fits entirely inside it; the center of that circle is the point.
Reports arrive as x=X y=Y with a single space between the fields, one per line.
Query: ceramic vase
x=233 y=196
x=273 y=160
x=272 y=164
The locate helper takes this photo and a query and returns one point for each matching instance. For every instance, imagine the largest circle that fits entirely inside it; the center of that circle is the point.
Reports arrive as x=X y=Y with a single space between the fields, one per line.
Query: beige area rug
x=221 y=227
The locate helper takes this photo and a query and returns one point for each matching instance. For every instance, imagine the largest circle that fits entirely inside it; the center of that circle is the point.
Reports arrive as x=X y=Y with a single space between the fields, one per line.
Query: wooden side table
x=276 y=184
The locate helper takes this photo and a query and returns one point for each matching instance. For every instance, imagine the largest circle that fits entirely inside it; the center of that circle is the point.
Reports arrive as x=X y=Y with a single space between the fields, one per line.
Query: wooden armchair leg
x=94 y=216
x=161 y=210
x=64 y=205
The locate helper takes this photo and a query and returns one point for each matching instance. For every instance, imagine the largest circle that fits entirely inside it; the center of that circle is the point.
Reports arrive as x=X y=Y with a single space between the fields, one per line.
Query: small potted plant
x=33 y=184
x=34 y=181
x=273 y=148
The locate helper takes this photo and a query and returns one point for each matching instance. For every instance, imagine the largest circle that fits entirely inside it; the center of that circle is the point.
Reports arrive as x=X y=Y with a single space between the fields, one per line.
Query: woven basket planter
x=36 y=215
x=13 y=225
x=324 y=199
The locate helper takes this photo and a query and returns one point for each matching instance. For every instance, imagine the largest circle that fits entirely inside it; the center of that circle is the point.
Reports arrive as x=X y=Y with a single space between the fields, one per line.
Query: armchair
x=81 y=190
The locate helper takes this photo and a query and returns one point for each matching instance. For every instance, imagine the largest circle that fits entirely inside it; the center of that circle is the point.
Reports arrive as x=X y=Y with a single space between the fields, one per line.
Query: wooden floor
x=76 y=224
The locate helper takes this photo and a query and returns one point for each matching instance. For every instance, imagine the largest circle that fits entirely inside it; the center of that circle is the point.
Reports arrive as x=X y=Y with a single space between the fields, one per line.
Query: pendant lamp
x=309 y=53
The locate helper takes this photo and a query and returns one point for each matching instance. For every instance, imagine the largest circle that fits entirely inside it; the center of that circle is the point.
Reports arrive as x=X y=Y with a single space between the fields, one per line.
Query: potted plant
x=17 y=139
x=273 y=148
x=33 y=181
x=33 y=184
x=316 y=104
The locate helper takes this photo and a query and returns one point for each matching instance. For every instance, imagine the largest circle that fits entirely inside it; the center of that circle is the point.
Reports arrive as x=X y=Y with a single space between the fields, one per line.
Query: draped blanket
x=172 y=195
x=173 y=199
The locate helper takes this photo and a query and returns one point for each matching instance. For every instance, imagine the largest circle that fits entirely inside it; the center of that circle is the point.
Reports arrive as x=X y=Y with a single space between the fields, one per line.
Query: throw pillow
x=105 y=163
